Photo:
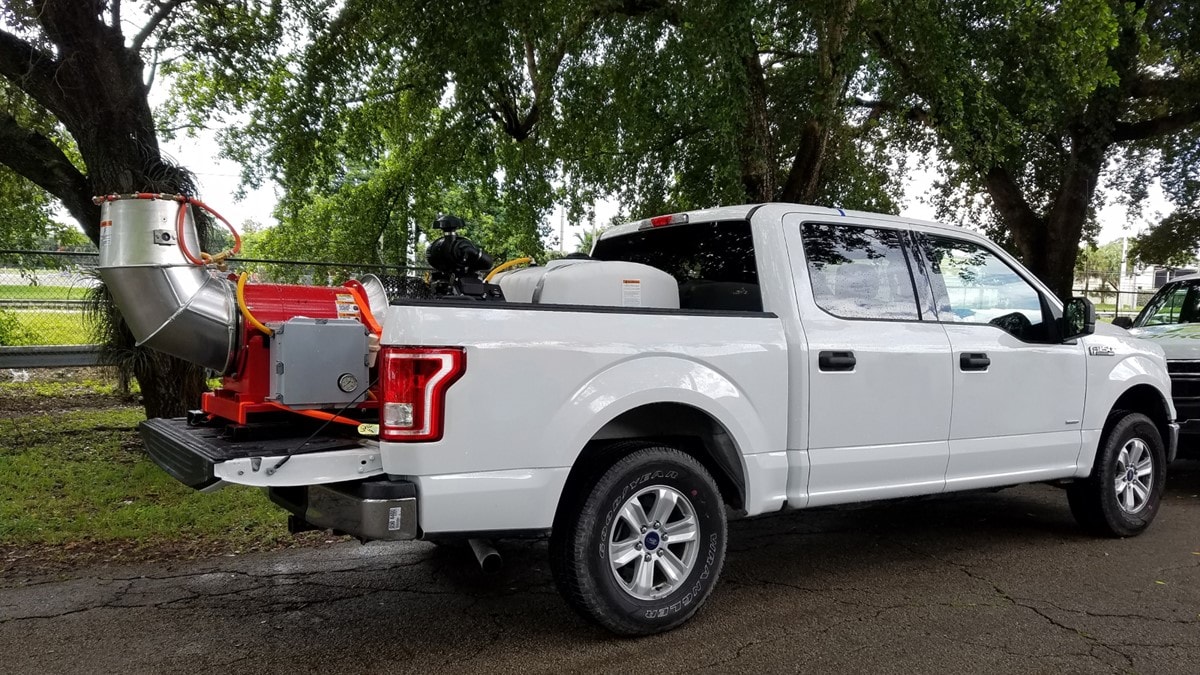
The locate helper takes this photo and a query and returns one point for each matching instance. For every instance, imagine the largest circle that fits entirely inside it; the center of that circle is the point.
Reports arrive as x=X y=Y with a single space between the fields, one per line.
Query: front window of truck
x=1177 y=302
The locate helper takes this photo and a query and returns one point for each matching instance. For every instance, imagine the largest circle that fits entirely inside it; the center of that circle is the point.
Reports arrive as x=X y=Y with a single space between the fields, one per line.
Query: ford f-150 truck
x=729 y=362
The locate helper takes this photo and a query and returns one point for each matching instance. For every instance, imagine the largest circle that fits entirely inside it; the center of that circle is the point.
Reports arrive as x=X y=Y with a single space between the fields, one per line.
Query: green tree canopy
x=1037 y=105
x=1171 y=243
x=392 y=112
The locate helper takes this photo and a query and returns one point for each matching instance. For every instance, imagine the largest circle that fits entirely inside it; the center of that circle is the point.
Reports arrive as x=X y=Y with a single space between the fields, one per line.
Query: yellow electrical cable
x=241 y=301
x=510 y=263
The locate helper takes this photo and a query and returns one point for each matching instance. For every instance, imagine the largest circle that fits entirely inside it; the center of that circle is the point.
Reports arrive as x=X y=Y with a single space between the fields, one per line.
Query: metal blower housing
x=169 y=303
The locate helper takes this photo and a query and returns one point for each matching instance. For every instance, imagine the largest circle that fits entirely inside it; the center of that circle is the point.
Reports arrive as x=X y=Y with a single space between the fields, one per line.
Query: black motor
x=458 y=262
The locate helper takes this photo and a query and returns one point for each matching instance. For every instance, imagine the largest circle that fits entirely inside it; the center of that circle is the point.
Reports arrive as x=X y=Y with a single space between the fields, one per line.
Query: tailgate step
x=188 y=452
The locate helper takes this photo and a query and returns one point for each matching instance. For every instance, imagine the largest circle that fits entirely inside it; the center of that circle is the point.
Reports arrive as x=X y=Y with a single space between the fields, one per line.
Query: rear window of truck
x=713 y=262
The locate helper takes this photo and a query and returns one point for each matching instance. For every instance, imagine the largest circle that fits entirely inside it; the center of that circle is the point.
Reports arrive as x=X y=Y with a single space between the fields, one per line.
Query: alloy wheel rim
x=654 y=542
x=1134 y=478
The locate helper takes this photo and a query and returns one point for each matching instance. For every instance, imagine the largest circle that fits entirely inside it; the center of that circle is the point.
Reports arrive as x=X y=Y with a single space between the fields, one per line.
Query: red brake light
x=414 y=381
x=660 y=221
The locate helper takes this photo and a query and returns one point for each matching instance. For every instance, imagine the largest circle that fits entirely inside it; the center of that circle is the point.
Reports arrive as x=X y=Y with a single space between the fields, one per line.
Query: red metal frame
x=244 y=392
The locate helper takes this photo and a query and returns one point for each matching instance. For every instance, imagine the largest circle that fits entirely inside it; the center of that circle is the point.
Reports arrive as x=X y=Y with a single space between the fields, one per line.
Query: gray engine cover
x=318 y=362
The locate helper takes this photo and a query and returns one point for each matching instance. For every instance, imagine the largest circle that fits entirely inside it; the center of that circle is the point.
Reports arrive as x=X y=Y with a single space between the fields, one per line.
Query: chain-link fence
x=1112 y=303
x=43 y=294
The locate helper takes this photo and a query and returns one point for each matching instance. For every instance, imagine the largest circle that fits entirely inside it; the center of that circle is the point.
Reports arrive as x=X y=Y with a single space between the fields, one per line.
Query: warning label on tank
x=347 y=308
x=394 y=519
x=631 y=292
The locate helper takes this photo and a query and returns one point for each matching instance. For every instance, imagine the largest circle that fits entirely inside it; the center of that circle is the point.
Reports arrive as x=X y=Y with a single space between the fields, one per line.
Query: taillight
x=662 y=221
x=413 y=385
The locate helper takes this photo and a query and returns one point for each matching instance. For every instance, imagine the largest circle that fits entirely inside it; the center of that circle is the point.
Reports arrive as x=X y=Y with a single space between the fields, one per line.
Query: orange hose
x=184 y=201
x=318 y=414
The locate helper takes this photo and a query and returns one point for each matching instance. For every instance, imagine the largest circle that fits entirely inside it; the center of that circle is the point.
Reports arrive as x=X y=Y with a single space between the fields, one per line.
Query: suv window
x=973 y=285
x=859 y=272
x=1174 y=303
x=713 y=262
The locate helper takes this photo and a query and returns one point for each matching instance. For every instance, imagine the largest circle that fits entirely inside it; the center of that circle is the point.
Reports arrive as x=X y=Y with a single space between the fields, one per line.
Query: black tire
x=580 y=543
x=1096 y=502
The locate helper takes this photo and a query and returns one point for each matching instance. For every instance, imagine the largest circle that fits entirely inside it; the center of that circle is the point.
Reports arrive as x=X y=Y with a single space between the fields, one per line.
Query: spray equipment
x=457 y=262
x=261 y=337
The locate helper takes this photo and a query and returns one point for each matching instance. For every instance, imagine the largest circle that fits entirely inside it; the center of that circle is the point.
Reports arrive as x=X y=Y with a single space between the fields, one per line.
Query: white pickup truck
x=1172 y=321
x=802 y=357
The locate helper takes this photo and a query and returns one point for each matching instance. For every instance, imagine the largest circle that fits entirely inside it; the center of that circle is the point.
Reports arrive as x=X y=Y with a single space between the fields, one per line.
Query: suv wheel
x=643 y=549
x=1121 y=497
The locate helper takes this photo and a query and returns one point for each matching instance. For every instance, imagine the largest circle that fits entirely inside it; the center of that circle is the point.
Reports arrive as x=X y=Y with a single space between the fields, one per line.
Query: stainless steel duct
x=170 y=304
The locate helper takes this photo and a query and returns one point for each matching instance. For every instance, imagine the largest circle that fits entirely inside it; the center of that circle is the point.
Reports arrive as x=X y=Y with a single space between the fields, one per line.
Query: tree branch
x=116 y=15
x=1169 y=88
x=911 y=113
x=1157 y=126
x=28 y=67
x=38 y=159
x=531 y=66
x=1009 y=200
x=164 y=10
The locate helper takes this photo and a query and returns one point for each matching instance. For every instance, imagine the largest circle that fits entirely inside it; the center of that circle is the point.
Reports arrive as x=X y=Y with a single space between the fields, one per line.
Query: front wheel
x=1121 y=497
x=642 y=551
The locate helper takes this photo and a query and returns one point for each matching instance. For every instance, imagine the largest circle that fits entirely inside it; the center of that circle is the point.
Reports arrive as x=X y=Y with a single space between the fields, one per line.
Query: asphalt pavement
x=988 y=582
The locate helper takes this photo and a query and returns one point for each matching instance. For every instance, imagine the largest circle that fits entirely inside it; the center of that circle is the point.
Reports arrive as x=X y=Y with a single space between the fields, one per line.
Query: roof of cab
x=744 y=211
x=1186 y=277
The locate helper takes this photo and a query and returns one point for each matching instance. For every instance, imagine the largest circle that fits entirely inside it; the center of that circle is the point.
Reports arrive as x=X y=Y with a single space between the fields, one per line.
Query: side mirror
x=1123 y=322
x=1079 y=319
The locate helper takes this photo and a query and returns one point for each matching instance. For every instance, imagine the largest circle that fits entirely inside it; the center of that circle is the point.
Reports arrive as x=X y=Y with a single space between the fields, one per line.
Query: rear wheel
x=642 y=549
x=1121 y=497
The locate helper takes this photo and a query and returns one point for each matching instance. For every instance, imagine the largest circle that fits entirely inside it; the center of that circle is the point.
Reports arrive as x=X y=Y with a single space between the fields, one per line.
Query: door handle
x=974 y=361
x=836 y=361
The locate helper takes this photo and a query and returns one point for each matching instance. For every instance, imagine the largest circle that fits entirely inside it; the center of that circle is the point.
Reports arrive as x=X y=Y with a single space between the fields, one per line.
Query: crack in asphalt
x=1025 y=604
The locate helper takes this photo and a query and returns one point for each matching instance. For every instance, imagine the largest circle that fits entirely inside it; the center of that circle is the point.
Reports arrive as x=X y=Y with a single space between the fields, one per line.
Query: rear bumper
x=370 y=510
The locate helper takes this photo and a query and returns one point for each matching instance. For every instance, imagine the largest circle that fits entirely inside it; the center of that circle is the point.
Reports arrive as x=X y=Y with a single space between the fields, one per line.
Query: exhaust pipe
x=170 y=304
x=487 y=556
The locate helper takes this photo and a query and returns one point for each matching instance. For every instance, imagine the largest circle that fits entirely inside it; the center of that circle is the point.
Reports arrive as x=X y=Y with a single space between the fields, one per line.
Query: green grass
x=82 y=476
x=52 y=389
x=27 y=292
x=49 y=327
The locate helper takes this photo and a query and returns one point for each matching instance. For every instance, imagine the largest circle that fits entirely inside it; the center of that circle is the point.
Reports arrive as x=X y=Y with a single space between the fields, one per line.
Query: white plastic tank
x=602 y=283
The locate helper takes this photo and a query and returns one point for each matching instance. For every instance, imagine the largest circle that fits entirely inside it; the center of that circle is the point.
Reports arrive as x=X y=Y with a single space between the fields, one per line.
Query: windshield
x=1174 y=303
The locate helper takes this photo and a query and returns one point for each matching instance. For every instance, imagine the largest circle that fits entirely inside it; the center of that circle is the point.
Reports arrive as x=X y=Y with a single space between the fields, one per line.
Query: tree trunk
x=755 y=153
x=803 y=182
x=804 y=179
x=93 y=85
x=170 y=386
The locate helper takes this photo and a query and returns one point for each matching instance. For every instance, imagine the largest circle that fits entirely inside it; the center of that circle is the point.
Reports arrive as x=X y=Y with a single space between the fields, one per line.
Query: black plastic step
x=188 y=453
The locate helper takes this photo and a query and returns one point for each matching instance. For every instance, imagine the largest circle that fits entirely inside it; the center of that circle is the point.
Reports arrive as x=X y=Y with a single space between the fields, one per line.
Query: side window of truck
x=973 y=285
x=859 y=272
